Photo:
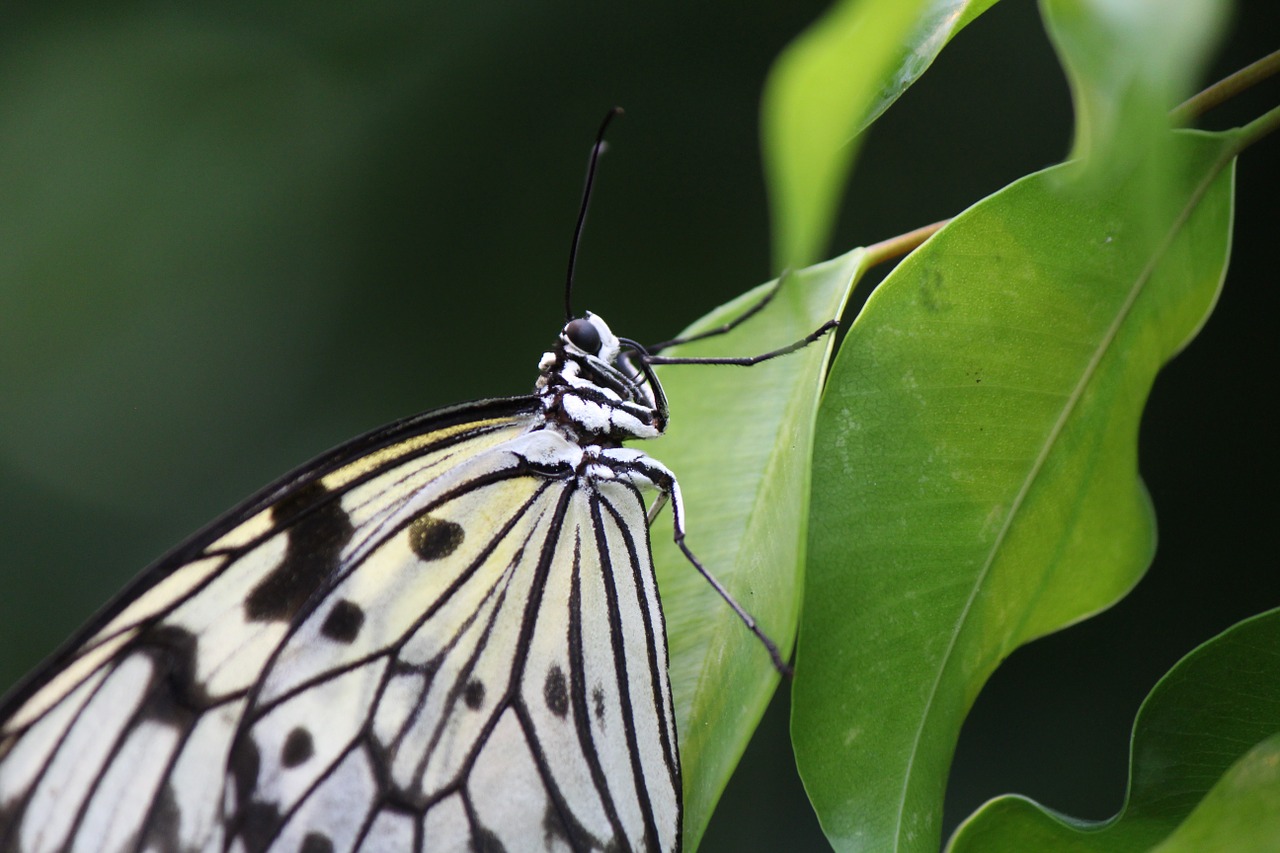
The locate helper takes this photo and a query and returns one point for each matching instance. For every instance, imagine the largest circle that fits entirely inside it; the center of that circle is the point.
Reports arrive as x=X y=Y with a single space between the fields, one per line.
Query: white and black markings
x=297 y=748
x=343 y=623
x=556 y=691
x=431 y=538
x=446 y=613
x=444 y=635
x=318 y=528
x=434 y=538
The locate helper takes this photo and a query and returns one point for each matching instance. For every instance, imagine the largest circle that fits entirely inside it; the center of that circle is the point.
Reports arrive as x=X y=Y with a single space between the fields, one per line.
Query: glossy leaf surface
x=975 y=479
x=739 y=441
x=1205 y=764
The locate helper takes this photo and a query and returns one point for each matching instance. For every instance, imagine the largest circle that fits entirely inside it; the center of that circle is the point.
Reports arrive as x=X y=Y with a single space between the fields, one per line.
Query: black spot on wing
x=484 y=841
x=10 y=817
x=175 y=696
x=597 y=699
x=473 y=695
x=164 y=821
x=553 y=829
x=556 y=691
x=318 y=529
x=434 y=538
x=560 y=826
x=344 y=622
x=298 y=747
x=316 y=842
x=244 y=764
x=258 y=826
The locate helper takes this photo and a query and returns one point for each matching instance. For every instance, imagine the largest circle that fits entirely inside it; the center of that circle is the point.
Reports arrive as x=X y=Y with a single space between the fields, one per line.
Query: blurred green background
x=234 y=235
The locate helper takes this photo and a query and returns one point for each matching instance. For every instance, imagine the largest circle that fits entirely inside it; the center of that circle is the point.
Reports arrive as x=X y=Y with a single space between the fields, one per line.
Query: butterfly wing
x=526 y=707
x=375 y=650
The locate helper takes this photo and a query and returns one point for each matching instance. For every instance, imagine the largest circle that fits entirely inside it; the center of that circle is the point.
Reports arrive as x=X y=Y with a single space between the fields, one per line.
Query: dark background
x=232 y=236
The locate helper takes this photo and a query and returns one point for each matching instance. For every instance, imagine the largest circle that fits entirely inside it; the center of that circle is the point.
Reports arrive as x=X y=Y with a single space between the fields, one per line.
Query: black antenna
x=596 y=151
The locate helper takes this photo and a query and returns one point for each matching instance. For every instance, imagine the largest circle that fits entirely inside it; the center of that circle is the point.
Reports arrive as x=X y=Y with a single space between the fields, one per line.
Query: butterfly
x=443 y=635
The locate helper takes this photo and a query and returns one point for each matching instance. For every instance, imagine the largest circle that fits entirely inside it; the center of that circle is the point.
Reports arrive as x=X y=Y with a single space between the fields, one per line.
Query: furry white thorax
x=600 y=396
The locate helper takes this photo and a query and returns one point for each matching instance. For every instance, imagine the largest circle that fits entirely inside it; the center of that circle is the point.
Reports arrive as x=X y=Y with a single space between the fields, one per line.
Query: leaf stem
x=1225 y=89
x=1260 y=127
x=896 y=247
x=1195 y=106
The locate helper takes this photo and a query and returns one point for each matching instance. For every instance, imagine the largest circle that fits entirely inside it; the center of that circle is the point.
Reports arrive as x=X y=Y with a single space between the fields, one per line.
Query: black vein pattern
x=416 y=642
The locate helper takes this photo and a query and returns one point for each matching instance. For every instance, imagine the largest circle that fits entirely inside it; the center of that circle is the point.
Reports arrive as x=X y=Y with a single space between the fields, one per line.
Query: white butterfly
x=442 y=635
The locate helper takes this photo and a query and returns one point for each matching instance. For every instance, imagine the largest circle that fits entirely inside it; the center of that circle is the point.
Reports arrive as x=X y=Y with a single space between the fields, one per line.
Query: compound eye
x=583 y=335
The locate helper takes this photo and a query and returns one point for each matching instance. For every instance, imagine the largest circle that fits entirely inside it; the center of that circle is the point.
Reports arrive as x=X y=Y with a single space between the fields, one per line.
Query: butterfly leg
x=727 y=327
x=658 y=503
x=747 y=361
x=639 y=467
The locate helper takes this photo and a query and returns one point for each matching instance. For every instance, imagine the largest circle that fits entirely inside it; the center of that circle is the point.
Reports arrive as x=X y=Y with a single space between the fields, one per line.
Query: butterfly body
x=444 y=635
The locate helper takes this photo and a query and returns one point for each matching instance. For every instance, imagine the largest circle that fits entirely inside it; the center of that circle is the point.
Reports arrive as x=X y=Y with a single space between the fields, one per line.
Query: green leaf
x=739 y=441
x=1204 y=764
x=825 y=88
x=1241 y=813
x=1129 y=63
x=1128 y=66
x=976 y=482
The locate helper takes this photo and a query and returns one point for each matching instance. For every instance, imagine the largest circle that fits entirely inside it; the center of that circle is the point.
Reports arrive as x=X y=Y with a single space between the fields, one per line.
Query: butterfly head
x=591 y=336
x=593 y=389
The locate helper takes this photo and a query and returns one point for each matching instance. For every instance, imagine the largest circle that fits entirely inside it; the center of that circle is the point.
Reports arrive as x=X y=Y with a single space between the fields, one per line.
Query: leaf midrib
x=1059 y=425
